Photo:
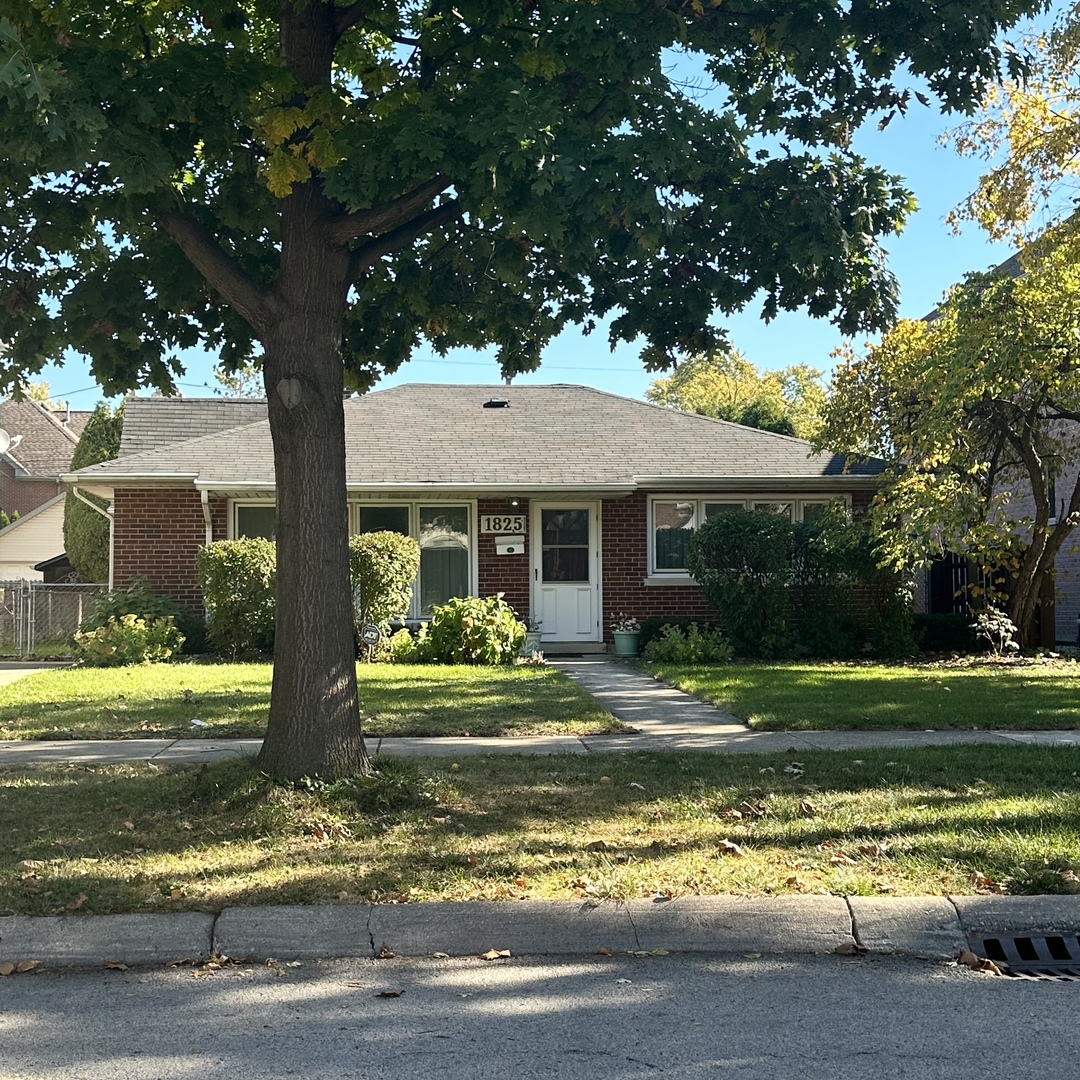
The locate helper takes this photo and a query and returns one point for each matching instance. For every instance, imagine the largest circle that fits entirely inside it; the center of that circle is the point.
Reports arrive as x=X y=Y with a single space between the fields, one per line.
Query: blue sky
x=926 y=258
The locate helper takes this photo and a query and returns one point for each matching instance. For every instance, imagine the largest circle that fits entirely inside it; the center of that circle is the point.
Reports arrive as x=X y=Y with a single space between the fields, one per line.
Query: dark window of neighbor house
x=256 y=521
x=444 y=555
x=675 y=523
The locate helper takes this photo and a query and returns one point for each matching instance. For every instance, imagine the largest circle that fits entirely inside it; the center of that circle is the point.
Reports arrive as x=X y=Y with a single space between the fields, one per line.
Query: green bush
x=129 y=640
x=692 y=645
x=406 y=648
x=742 y=560
x=237 y=578
x=807 y=588
x=469 y=630
x=654 y=627
x=383 y=567
x=139 y=599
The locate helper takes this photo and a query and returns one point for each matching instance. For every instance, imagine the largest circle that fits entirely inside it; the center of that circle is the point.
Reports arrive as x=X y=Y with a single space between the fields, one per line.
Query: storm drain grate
x=1032 y=956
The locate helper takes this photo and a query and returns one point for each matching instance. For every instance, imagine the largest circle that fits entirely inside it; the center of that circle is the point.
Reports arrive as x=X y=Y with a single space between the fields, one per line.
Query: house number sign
x=502 y=523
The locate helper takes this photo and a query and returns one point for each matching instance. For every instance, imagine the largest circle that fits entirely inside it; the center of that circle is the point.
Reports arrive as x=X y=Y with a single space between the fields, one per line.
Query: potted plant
x=627 y=631
x=531 y=644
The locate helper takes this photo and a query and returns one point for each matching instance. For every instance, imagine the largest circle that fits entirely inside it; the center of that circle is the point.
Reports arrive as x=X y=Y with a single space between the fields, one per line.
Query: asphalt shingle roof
x=48 y=443
x=421 y=434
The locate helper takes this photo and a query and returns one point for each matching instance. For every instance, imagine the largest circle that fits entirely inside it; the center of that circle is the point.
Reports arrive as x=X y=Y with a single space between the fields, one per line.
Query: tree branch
x=396 y=239
x=348 y=17
x=219 y=268
x=382 y=218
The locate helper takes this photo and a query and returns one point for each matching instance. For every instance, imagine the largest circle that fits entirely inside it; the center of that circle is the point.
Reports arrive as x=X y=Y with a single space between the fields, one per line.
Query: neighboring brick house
x=573 y=502
x=43 y=441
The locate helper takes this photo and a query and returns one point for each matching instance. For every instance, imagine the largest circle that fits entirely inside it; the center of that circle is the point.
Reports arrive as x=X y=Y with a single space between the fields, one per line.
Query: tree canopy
x=1029 y=131
x=344 y=179
x=724 y=384
x=977 y=414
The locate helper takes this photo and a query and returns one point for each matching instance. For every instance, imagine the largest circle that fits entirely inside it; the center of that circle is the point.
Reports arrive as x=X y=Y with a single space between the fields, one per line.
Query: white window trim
x=232 y=531
x=414 y=505
x=659 y=576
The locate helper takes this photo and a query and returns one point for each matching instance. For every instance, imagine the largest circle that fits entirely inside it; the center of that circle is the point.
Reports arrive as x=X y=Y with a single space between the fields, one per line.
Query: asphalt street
x=601 y=1018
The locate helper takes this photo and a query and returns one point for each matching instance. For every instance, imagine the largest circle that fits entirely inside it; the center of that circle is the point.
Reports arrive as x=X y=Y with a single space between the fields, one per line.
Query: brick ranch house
x=573 y=502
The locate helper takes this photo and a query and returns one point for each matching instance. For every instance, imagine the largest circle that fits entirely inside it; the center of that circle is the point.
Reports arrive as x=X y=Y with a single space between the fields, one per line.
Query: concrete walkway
x=662 y=717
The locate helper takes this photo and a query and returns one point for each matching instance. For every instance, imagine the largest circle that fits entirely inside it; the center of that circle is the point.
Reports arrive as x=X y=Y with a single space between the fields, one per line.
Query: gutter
x=204 y=495
x=109 y=518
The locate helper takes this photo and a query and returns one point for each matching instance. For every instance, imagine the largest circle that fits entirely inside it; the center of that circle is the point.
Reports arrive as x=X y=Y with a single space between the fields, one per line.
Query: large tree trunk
x=314 y=724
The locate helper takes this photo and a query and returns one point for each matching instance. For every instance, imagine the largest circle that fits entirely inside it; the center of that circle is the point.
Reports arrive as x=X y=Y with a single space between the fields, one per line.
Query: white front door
x=566 y=570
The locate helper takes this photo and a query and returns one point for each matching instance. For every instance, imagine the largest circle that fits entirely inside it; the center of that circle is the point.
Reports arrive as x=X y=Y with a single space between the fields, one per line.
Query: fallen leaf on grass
x=796 y=768
x=390 y=993
x=495 y=954
x=731 y=813
x=984 y=884
x=968 y=959
x=753 y=809
x=623 y=982
x=807 y=808
x=727 y=847
x=596 y=845
x=130 y=826
x=635 y=784
x=77 y=902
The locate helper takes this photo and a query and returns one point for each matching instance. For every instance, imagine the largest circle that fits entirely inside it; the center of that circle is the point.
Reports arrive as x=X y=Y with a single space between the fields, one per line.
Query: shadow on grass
x=128 y=838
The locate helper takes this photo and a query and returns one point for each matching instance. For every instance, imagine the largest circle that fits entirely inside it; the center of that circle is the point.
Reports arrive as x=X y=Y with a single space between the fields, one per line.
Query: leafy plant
x=383 y=567
x=692 y=645
x=469 y=630
x=994 y=627
x=139 y=599
x=129 y=640
x=237 y=582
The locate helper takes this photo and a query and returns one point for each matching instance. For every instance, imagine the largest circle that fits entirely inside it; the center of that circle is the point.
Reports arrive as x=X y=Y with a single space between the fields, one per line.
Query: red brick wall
x=625 y=557
x=507 y=574
x=157 y=535
x=24 y=495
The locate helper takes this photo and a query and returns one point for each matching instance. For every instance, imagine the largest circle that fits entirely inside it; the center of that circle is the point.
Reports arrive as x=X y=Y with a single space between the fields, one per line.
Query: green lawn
x=603 y=826
x=926 y=696
x=161 y=700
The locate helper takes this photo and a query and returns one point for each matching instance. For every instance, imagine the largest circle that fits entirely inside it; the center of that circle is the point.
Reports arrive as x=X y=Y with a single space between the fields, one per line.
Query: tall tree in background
x=724 y=384
x=322 y=184
x=977 y=413
x=1029 y=129
x=86 y=532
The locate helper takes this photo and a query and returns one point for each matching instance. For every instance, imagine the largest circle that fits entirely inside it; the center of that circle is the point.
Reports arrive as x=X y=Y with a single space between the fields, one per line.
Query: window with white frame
x=674 y=519
x=254 y=519
x=444 y=531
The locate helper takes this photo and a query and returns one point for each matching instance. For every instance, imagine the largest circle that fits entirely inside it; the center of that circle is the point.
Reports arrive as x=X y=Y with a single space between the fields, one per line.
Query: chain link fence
x=38 y=619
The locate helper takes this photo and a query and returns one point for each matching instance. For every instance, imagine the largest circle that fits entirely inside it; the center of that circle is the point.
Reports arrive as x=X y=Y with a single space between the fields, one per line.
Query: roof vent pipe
x=497 y=403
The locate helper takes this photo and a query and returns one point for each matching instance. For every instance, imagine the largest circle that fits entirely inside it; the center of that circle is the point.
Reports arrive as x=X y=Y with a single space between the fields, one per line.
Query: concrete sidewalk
x=933 y=927
x=662 y=717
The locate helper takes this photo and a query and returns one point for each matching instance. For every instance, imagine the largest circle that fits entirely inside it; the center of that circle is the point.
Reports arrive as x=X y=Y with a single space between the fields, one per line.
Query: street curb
x=93 y=940
x=930 y=927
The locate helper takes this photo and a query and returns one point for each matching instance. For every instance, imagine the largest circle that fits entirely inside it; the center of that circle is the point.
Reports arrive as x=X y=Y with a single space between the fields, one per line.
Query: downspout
x=205 y=495
x=108 y=517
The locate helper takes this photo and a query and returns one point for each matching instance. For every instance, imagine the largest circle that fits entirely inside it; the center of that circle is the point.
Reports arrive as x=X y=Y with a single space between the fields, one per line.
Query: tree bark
x=314 y=722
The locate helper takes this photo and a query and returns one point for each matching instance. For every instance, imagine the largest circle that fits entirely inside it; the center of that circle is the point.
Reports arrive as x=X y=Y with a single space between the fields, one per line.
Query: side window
x=256 y=521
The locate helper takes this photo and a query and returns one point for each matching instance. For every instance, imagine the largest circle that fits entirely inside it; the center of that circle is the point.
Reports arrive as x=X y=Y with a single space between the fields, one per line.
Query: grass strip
x=162 y=700
x=1041 y=694
x=595 y=826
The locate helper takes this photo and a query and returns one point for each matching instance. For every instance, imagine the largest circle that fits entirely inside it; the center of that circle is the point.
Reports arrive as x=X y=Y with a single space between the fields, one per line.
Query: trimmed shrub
x=404 y=647
x=237 y=578
x=469 y=630
x=742 y=561
x=129 y=640
x=139 y=599
x=86 y=532
x=383 y=567
x=692 y=645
